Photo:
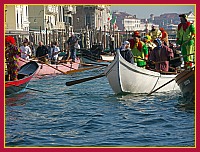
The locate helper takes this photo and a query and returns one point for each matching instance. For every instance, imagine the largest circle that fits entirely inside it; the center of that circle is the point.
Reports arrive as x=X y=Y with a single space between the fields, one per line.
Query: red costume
x=12 y=54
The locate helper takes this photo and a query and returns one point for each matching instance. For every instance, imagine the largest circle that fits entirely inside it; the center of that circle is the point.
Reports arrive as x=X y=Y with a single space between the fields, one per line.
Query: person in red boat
x=12 y=56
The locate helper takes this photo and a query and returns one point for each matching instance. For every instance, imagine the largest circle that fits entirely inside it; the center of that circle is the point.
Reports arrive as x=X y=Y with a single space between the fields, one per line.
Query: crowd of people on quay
x=153 y=51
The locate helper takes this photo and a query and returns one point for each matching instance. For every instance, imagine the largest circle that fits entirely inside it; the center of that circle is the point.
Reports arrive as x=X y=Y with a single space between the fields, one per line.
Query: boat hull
x=26 y=73
x=51 y=69
x=125 y=77
x=186 y=82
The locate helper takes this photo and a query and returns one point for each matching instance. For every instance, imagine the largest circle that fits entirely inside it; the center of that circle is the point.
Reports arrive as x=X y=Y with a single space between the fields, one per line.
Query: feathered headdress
x=10 y=39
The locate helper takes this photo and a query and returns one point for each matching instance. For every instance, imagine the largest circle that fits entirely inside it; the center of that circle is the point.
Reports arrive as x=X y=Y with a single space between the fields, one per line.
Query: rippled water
x=90 y=114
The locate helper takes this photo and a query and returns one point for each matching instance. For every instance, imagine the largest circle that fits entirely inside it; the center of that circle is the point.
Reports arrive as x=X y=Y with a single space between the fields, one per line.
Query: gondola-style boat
x=49 y=69
x=186 y=82
x=25 y=74
x=92 y=56
x=125 y=77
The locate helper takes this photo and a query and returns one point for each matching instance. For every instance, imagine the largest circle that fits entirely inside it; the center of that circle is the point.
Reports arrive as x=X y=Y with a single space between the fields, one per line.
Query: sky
x=144 y=11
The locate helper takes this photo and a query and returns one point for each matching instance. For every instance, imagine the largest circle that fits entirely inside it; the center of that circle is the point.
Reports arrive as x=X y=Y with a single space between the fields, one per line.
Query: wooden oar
x=52 y=67
x=86 y=63
x=27 y=88
x=166 y=84
x=181 y=56
x=164 y=61
x=70 y=83
x=97 y=63
x=67 y=66
x=160 y=87
x=83 y=69
x=174 y=58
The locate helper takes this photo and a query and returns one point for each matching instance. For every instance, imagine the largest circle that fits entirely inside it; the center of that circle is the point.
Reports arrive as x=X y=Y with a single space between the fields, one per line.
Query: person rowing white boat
x=126 y=52
x=161 y=53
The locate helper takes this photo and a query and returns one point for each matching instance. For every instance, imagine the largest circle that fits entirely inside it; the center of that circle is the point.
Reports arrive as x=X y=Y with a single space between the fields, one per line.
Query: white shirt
x=54 y=50
x=77 y=46
x=25 y=52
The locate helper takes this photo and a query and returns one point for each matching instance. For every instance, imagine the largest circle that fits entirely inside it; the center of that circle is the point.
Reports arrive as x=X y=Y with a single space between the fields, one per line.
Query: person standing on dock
x=12 y=54
x=185 y=38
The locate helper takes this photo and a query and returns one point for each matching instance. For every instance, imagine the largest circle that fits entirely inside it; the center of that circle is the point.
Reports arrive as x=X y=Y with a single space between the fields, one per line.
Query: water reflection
x=16 y=99
x=185 y=104
x=182 y=104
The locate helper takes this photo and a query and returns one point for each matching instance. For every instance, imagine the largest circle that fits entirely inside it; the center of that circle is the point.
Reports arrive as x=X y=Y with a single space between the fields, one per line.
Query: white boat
x=107 y=57
x=125 y=77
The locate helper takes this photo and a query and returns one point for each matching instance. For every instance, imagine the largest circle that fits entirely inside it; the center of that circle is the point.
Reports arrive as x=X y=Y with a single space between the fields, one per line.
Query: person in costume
x=155 y=33
x=139 y=50
x=162 y=55
x=164 y=37
x=185 y=38
x=12 y=54
x=150 y=45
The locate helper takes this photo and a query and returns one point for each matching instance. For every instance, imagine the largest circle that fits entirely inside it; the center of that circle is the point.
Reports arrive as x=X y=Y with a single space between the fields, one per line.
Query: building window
x=88 y=20
x=26 y=11
x=17 y=20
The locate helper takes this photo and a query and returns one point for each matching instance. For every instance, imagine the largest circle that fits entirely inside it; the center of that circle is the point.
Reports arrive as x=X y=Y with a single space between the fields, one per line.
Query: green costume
x=140 y=50
x=185 y=38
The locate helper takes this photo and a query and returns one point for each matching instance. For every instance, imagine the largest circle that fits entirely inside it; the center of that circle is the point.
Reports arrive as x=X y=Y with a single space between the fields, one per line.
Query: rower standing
x=185 y=38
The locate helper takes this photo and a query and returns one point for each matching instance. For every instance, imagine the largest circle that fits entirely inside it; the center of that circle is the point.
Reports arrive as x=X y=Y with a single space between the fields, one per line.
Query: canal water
x=90 y=114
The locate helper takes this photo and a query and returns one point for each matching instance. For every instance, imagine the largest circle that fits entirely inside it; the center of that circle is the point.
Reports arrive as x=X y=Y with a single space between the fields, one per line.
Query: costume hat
x=136 y=34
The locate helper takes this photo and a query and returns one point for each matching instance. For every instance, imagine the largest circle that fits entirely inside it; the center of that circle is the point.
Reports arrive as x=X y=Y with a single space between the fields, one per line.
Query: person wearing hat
x=126 y=52
x=139 y=50
x=161 y=53
x=164 y=37
x=25 y=50
x=185 y=38
x=155 y=33
x=12 y=54
x=147 y=40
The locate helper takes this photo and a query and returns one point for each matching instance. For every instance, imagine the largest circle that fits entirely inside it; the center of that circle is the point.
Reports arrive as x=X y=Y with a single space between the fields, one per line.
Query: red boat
x=25 y=74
